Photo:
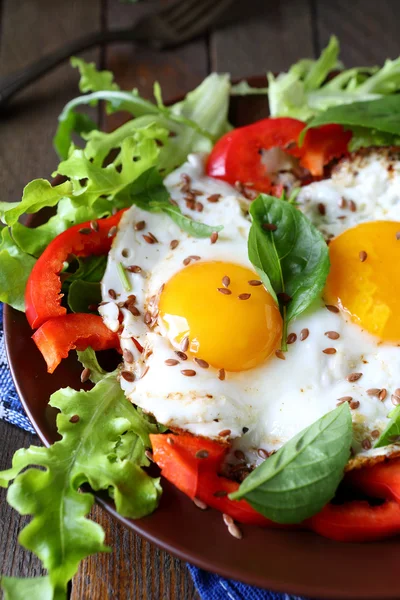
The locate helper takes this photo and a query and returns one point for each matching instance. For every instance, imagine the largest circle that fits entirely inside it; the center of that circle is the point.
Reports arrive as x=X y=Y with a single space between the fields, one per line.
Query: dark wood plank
x=31 y=29
x=268 y=36
x=14 y=560
x=367 y=30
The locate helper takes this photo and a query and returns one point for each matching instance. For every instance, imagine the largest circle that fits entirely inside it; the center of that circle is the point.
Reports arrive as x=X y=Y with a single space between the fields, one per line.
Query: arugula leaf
x=15 y=267
x=391 y=434
x=292 y=260
x=297 y=481
x=149 y=193
x=82 y=294
x=59 y=533
x=89 y=361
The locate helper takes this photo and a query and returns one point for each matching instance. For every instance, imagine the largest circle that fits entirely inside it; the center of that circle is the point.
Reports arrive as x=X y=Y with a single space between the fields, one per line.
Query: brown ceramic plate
x=293 y=562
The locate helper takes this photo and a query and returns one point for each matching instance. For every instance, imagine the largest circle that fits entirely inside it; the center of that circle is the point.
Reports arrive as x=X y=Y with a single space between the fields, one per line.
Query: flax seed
x=170 y=441
x=190 y=259
x=181 y=355
x=342 y=203
x=321 y=209
x=239 y=455
x=202 y=363
x=140 y=225
x=344 y=399
x=74 y=419
x=373 y=392
x=244 y=296
x=353 y=377
x=375 y=433
x=352 y=206
x=363 y=256
x=200 y=504
x=112 y=231
x=112 y=293
x=269 y=227
x=173 y=244
x=332 y=335
x=227 y=519
x=85 y=375
x=304 y=333
x=329 y=351
x=366 y=444
x=148 y=239
x=225 y=433
x=224 y=291
x=199 y=206
x=382 y=394
x=354 y=404
x=254 y=282
x=128 y=376
x=148 y=454
x=220 y=493
x=188 y=372
x=226 y=281
x=331 y=308
x=291 y=338
x=86 y=230
x=94 y=225
x=128 y=356
x=262 y=453
x=213 y=198
x=221 y=374
x=171 y=362
x=235 y=531
x=134 y=269
x=280 y=354
x=148 y=317
x=202 y=454
x=395 y=399
x=214 y=237
x=284 y=297
x=133 y=309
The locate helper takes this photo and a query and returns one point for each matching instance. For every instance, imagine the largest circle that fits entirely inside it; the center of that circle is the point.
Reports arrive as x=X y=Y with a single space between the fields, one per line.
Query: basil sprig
x=292 y=260
x=391 y=435
x=297 y=481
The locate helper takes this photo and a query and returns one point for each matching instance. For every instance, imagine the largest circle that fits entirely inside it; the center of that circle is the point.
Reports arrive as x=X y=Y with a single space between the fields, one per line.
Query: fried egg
x=200 y=335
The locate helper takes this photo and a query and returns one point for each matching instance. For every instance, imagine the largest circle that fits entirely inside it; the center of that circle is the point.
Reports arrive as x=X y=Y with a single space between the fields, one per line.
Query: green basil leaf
x=82 y=294
x=293 y=260
x=391 y=434
x=297 y=481
x=89 y=269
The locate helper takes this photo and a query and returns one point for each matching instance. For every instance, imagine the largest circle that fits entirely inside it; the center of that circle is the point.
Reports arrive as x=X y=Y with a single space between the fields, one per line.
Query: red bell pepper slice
x=379 y=481
x=56 y=337
x=237 y=155
x=357 y=521
x=42 y=294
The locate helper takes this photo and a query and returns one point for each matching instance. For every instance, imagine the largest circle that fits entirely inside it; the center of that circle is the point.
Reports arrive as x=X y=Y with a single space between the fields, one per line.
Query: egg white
x=274 y=401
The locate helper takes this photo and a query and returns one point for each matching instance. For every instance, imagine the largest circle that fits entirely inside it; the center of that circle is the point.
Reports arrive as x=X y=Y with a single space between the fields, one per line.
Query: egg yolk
x=364 y=278
x=231 y=324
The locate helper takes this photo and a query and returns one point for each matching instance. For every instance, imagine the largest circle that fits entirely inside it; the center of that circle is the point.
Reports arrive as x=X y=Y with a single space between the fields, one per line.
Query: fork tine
x=173 y=11
x=197 y=21
x=191 y=15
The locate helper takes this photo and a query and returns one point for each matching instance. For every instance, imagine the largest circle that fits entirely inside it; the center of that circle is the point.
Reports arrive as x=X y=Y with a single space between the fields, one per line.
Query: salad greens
x=289 y=254
x=391 y=435
x=103 y=443
x=298 y=480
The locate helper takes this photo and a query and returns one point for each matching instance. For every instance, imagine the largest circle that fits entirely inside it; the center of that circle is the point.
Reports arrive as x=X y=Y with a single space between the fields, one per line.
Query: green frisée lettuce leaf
x=88 y=359
x=306 y=90
x=292 y=261
x=47 y=480
x=363 y=138
x=15 y=268
x=297 y=481
x=34 y=588
x=391 y=434
x=91 y=79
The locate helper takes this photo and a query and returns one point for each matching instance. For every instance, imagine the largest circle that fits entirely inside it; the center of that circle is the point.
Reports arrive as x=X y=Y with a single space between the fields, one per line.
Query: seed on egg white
x=262 y=453
x=148 y=239
x=354 y=404
x=366 y=444
x=291 y=338
x=181 y=355
x=329 y=351
x=331 y=308
x=221 y=374
x=344 y=399
x=353 y=377
x=382 y=394
x=332 y=335
x=395 y=399
x=321 y=208
x=128 y=376
x=112 y=293
x=140 y=225
x=202 y=363
x=214 y=237
x=213 y=198
x=148 y=317
x=128 y=356
x=352 y=206
x=145 y=371
x=171 y=362
x=134 y=269
x=375 y=433
x=188 y=372
x=173 y=244
x=225 y=433
x=304 y=333
x=374 y=391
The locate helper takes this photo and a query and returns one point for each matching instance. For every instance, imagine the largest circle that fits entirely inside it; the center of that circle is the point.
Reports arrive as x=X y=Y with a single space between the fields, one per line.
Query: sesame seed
x=173 y=244
x=321 y=209
x=146 y=370
x=254 y=282
x=373 y=392
x=202 y=363
x=148 y=454
x=188 y=372
x=291 y=338
x=85 y=230
x=226 y=281
x=354 y=404
x=200 y=504
x=332 y=335
x=363 y=256
x=181 y=355
x=94 y=225
x=85 y=375
x=221 y=374
x=344 y=399
x=239 y=455
x=220 y=493
x=366 y=444
x=375 y=433
x=279 y=354
x=128 y=376
x=353 y=377
x=184 y=345
x=329 y=351
x=304 y=333
x=235 y=531
x=269 y=227
x=171 y=362
x=352 y=206
x=112 y=293
x=112 y=231
x=128 y=356
x=224 y=291
x=395 y=399
x=244 y=296
x=262 y=453
x=189 y=259
x=214 y=237
x=202 y=454
x=213 y=198
x=148 y=317
x=225 y=432
x=134 y=269
x=148 y=239
x=140 y=225
x=227 y=519
x=74 y=419
x=331 y=308
x=382 y=394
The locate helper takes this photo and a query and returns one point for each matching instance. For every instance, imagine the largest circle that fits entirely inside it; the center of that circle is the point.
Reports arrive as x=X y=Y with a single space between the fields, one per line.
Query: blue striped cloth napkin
x=209 y=586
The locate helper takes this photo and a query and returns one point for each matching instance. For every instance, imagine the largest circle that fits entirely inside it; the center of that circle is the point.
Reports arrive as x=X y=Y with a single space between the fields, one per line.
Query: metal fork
x=171 y=26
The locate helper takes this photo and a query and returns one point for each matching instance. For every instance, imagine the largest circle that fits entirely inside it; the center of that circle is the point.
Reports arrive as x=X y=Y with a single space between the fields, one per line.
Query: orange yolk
x=364 y=279
x=224 y=330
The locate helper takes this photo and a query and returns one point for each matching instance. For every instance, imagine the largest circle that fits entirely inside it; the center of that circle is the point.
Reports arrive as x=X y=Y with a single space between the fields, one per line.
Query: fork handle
x=13 y=83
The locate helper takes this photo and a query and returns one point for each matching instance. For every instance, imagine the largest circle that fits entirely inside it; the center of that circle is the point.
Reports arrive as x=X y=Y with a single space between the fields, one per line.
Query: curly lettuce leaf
x=15 y=268
x=38 y=194
x=47 y=480
x=92 y=80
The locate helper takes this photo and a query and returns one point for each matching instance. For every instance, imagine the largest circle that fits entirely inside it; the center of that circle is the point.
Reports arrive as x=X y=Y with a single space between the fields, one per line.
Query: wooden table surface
x=264 y=34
